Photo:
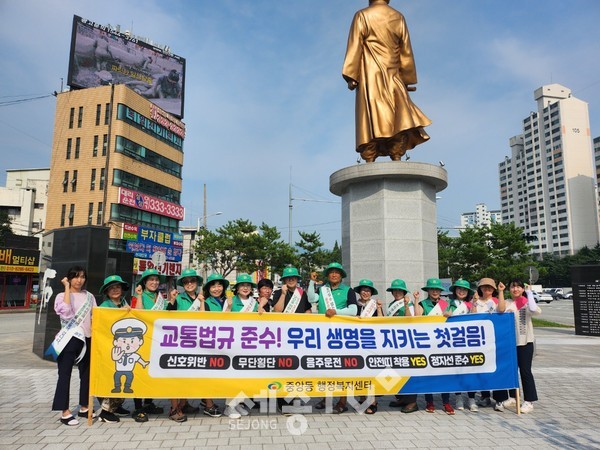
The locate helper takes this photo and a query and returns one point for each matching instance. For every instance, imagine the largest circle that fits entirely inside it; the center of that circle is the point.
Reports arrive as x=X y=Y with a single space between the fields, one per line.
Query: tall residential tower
x=548 y=184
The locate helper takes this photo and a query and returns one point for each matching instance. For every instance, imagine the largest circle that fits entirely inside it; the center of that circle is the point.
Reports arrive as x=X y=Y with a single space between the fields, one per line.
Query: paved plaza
x=566 y=369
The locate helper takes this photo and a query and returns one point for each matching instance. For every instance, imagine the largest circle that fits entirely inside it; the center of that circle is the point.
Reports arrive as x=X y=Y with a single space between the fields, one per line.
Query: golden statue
x=379 y=62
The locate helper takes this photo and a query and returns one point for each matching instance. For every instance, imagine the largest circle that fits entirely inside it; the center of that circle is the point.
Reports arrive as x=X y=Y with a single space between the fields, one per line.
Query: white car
x=542 y=297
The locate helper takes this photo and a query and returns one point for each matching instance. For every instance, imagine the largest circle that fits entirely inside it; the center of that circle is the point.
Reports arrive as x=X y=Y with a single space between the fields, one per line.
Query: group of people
x=74 y=307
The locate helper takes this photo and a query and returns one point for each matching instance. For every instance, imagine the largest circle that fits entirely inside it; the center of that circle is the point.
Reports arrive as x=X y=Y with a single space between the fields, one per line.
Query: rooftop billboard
x=101 y=55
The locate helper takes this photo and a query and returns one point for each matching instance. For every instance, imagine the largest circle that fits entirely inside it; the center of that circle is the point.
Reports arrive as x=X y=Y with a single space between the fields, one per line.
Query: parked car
x=569 y=295
x=542 y=297
x=556 y=293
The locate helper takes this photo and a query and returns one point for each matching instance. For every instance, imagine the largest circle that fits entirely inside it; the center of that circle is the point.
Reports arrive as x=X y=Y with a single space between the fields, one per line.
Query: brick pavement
x=565 y=368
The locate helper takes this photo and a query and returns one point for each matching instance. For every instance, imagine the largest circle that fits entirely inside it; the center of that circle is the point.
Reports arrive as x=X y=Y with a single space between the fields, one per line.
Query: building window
x=80 y=117
x=95 y=149
x=104 y=144
x=77 y=147
x=71 y=117
x=102 y=176
x=131 y=181
x=74 y=182
x=90 y=213
x=93 y=180
x=66 y=181
x=69 y=145
x=107 y=114
x=147 y=156
x=98 y=113
x=100 y=211
x=71 y=214
x=63 y=213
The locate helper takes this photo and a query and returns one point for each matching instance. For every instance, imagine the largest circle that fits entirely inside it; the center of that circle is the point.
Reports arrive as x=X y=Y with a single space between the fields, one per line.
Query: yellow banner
x=177 y=354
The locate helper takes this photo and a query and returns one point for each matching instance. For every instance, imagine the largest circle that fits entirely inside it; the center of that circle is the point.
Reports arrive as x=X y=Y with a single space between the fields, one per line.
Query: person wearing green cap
x=334 y=297
x=366 y=305
x=460 y=303
x=149 y=298
x=214 y=293
x=112 y=292
x=242 y=300
x=188 y=300
x=291 y=298
x=434 y=289
x=398 y=307
x=403 y=307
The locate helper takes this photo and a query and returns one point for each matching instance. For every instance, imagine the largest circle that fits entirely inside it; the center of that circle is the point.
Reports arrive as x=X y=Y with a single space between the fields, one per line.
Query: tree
x=499 y=251
x=311 y=255
x=239 y=245
x=5 y=227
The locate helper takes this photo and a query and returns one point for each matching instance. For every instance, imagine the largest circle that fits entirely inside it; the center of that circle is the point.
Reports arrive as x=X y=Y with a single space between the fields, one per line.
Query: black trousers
x=65 y=362
x=524 y=361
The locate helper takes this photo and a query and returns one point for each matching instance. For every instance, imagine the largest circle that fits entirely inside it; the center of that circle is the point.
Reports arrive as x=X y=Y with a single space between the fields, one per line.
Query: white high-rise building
x=548 y=184
x=481 y=217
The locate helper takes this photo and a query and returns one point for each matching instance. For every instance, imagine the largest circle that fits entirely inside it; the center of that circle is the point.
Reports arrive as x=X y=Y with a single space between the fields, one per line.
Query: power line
x=23 y=100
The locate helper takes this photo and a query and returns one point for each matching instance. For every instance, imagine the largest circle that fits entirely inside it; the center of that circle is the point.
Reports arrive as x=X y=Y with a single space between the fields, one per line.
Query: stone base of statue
x=389 y=226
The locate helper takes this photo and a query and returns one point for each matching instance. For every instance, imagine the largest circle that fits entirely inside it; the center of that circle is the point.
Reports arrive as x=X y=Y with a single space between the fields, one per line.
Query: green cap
x=189 y=273
x=113 y=279
x=290 y=272
x=433 y=283
x=366 y=283
x=244 y=278
x=334 y=265
x=463 y=284
x=216 y=277
x=398 y=284
x=150 y=272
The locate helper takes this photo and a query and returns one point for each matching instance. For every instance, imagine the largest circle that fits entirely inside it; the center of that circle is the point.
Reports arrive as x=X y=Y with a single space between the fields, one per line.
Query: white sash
x=195 y=306
x=292 y=306
x=249 y=305
x=71 y=329
x=462 y=308
x=395 y=307
x=436 y=311
x=369 y=309
x=159 y=304
x=328 y=298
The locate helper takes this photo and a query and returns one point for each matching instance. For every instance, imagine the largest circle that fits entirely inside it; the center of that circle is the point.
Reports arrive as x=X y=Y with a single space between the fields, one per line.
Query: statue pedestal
x=389 y=227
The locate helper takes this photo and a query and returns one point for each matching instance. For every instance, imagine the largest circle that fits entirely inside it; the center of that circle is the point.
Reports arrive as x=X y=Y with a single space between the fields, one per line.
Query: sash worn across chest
x=292 y=305
x=71 y=329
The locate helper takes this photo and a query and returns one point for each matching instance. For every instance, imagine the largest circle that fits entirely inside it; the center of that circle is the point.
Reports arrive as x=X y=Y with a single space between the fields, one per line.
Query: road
x=559 y=311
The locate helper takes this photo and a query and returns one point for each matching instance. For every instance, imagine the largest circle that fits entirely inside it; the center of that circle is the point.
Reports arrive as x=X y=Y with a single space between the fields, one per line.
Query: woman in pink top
x=67 y=305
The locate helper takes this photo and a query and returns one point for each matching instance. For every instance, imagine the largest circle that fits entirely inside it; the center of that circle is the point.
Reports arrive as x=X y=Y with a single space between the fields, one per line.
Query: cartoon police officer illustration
x=129 y=337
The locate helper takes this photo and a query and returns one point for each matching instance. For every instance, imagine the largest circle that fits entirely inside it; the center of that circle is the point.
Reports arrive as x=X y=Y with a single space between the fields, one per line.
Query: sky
x=266 y=107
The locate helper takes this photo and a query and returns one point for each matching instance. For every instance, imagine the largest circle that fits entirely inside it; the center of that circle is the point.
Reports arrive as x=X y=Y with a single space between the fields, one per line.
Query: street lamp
x=204 y=219
x=204 y=266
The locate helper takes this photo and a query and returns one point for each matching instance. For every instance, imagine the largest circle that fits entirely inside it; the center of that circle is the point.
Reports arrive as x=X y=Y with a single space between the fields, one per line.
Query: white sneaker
x=460 y=404
x=526 y=407
x=499 y=406
x=473 y=406
x=240 y=408
x=231 y=413
x=510 y=402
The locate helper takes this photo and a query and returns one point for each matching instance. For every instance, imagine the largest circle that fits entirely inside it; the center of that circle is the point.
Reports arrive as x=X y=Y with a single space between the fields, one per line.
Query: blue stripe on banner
x=504 y=377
